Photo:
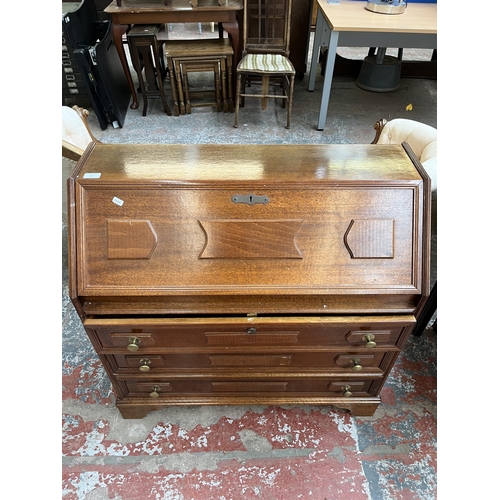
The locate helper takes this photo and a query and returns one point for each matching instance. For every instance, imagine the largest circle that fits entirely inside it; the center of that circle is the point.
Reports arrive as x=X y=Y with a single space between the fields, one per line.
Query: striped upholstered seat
x=266 y=63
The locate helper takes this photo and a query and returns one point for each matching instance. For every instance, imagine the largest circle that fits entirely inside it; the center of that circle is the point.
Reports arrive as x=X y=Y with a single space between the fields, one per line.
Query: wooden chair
x=76 y=133
x=266 y=42
x=189 y=56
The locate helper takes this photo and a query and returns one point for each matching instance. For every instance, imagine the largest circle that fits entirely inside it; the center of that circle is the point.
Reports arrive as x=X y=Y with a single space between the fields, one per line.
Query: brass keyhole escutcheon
x=356 y=365
x=369 y=341
x=145 y=362
x=155 y=390
x=346 y=391
x=133 y=343
x=251 y=330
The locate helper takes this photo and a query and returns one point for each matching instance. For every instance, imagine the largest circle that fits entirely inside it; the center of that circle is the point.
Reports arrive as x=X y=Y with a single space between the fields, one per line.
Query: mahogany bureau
x=248 y=274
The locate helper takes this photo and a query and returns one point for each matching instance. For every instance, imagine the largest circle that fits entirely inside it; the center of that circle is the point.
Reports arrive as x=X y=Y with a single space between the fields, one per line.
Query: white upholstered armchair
x=421 y=138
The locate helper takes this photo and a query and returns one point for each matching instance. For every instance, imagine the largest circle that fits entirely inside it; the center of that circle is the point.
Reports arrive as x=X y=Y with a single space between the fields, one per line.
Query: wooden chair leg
x=290 y=101
x=243 y=87
x=265 y=91
x=217 y=85
x=173 y=86
x=187 y=97
x=159 y=76
x=178 y=77
x=229 y=67
x=237 y=99
x=223 y=73
x=286 y=88
x=137 y=65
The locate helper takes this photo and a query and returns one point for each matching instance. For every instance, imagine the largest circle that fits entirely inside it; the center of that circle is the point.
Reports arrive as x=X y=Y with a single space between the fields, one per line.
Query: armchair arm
x=378 y=126
x=76 y=133
x=421 y=138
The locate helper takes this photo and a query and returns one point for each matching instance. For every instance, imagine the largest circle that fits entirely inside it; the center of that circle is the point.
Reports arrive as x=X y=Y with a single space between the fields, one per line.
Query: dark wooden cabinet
x=248 y=274
x=299 y=35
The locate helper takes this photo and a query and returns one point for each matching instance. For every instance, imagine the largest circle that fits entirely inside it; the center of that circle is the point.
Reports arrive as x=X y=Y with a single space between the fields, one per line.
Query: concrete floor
x=246 y=452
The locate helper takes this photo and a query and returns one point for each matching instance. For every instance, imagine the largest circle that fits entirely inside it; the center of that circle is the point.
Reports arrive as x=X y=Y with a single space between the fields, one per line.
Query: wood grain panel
x=249 y=360
x=236 y=239
x=131 y=239
x=370 y=239
x=232 y=339
x=248 y=386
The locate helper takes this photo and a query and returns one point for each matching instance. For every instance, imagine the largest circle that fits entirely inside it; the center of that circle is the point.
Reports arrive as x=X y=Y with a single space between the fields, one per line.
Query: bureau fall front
x=248 y=274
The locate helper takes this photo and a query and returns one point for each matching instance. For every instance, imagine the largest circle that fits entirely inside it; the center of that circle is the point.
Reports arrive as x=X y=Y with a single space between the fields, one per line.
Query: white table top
x=351 y=15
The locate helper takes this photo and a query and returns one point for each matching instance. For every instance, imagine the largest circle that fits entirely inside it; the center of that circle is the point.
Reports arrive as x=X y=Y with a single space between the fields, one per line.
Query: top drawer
x=215 y=333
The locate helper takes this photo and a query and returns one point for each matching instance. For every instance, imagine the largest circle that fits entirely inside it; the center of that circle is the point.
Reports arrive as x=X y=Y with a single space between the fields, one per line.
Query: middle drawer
x=329 y=360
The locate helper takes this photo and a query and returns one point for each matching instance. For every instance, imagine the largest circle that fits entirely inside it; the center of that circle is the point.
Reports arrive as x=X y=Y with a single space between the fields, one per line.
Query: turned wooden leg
x=233 y=31
x=118 y=31
x=265 y=90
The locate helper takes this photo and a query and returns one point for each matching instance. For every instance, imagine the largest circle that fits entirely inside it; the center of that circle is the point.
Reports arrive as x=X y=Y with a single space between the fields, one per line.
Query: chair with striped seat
x=266 y=42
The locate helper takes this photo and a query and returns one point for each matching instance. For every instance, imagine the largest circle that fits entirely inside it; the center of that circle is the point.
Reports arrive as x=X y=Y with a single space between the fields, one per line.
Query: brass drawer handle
x=133 y=343
x=155 y=390
x=145 y=362
x=369 y=341
x=356 y=365
x=346 y=391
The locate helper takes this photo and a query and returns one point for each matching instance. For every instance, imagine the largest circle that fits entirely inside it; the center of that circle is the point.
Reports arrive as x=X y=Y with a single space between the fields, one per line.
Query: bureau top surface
x=246 y=220
x=192 y=164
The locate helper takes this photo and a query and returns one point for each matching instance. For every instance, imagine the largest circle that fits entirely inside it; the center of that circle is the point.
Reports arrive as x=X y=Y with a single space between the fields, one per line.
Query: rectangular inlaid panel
x=266 y=338
x=249 y=386
x=370 y=239
x=233 y=239
x=130 y=239
x=249 y=360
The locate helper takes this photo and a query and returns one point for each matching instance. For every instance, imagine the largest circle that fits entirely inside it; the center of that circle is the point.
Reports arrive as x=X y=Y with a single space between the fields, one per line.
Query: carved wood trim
x=378 y=126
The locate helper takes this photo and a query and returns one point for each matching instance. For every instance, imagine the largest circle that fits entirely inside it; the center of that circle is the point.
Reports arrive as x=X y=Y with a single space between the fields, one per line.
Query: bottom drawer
x=157 y=389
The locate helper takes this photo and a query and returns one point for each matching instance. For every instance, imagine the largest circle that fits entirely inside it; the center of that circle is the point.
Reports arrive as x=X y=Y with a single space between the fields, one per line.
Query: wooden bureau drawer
x=146 y=335
x=329 y=360
x=158 y=388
